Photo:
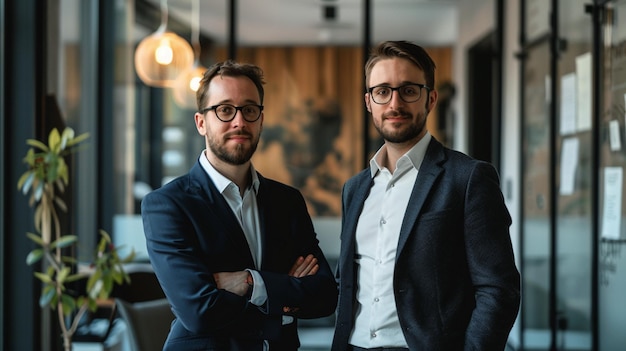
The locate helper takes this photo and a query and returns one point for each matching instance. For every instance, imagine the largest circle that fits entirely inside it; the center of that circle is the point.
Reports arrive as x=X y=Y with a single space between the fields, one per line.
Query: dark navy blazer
x=191 y=233
x=455 y=283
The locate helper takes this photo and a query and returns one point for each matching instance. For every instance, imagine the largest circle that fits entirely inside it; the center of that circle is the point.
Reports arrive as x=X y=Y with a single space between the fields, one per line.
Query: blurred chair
x=148 y=323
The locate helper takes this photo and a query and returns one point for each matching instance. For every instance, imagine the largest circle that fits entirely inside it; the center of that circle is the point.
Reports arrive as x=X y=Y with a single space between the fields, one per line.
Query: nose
x=395 y=99
x=238 y=119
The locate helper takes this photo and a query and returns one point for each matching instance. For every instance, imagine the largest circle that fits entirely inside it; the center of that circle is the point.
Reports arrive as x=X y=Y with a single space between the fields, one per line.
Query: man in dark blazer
x=426 y=257
x=235 y=253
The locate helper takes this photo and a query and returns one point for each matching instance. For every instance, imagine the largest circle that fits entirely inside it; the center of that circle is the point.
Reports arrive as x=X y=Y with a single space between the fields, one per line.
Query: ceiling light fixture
x=162 y=56
x=188 y=81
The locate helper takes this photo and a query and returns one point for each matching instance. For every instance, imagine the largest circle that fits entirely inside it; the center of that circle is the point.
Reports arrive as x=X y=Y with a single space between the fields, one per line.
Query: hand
x=235 y=282
x=304 y=266
x=301 y=268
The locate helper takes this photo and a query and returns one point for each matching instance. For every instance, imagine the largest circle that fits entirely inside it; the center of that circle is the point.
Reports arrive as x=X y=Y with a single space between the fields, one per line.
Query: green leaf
x=75 y=277
x=47 y=295
x=118 y=277
x=68 y=134
x=93 y=279
x=78 y=139
x=38 y=144
x=68 y=303
x=30 y=157
x=64 y=241
x=130 y=257
x=65 y=271
x=61 y=170
x=93 y=305
x=39 y=191
x=69 y=260
x=36 y=238
x=25 y=182
x=107 y=285
x=105 y=235
x=34 y=256
x=96 y=288
x=60 y=204
x=54 y=141
x=43 y=277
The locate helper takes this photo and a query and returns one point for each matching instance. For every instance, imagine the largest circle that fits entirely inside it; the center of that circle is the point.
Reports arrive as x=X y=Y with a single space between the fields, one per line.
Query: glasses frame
x=237 y=108
x=397 y=89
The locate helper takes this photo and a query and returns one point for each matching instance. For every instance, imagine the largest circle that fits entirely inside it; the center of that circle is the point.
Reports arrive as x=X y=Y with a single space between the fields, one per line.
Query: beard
x=240 y=155
x=410 y=132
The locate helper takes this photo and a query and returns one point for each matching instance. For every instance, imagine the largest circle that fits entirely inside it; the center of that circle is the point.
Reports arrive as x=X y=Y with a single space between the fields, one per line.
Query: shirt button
x=376 y=299
x=373 y=335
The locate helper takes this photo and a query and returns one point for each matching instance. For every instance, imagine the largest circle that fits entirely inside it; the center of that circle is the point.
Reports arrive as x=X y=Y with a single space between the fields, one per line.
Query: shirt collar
x=415 y=155
x=220 y=181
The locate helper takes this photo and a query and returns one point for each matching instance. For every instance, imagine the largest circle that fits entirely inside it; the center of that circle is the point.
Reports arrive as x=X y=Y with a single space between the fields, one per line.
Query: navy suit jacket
x=191 y=233
x=455 y=283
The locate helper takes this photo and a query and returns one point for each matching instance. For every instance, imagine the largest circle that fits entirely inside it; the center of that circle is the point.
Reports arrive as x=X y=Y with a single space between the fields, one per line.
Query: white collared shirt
x=247 y=213
x=378 y=229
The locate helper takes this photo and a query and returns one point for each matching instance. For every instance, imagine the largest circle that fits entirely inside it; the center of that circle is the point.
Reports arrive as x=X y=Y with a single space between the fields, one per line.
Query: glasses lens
x=250 y=112
x=408 y=93
x=227 y=112
x=381 y=95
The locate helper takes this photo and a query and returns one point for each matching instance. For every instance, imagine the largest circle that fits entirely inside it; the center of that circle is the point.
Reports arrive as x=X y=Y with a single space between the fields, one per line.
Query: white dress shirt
x=247 y=213
x=377 y=232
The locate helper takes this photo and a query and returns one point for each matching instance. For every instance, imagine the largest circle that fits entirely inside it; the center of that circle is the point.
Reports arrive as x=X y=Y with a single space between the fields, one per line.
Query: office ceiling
x=308 y=22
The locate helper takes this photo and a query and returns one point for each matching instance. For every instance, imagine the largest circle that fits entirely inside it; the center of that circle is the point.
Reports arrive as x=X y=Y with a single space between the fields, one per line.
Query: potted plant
x=47 y=177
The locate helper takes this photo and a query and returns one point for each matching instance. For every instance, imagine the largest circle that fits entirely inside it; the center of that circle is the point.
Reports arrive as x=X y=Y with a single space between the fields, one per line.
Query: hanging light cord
x=164 y=17
x=195 y=32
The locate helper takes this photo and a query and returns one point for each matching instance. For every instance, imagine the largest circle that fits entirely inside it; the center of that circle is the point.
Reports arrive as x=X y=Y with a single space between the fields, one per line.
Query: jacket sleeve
x=184 y=270
x=494 y=275
x=292 y=235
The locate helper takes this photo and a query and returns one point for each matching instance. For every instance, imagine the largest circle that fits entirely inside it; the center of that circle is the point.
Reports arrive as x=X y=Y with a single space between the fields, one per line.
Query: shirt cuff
x=259 y=292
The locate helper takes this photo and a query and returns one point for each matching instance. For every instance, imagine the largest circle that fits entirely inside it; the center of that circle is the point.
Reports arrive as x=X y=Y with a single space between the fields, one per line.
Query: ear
x=368 y=101
x=432 y=99
x=200 y=123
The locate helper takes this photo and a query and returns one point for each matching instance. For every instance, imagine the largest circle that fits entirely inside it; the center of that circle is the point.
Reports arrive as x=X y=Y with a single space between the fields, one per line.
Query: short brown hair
x=402 y=49
x=229 y=68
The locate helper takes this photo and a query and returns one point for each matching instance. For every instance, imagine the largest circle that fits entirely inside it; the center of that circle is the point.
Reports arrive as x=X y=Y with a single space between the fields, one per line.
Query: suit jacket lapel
x=218 y=209
x=357 y=195
x=429 y=171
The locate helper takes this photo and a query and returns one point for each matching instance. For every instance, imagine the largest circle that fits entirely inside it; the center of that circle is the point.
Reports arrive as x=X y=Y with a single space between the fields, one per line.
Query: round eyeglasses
x=227 y=112
x=381 y=94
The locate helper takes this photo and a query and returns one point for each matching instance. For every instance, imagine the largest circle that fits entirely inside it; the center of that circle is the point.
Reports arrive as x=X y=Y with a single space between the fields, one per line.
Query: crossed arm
x=239 y=282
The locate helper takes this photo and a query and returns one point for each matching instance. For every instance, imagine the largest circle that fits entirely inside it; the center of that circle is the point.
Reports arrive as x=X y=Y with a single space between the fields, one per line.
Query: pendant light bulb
x=162 y=56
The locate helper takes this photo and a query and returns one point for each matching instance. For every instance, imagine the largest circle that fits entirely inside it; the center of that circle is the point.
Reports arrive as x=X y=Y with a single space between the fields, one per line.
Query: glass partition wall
x=575 y=178
x=573 y=234
x=557 y=233
x=612 y=227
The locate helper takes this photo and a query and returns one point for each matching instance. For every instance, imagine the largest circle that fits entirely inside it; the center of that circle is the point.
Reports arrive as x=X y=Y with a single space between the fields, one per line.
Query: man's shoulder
x=275 y=185
x=363 y=176
x=173 y=187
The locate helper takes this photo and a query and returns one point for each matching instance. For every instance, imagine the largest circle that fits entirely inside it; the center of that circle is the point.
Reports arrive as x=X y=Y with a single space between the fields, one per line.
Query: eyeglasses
x=227 y=112
x=381 y=94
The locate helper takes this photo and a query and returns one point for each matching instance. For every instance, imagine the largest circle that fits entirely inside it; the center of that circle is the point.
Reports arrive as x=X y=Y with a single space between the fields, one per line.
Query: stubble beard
x=410 y=132
x=240 y=155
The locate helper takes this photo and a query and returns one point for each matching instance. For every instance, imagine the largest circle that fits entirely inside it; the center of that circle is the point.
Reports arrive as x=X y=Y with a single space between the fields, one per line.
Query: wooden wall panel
x=314 y=117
